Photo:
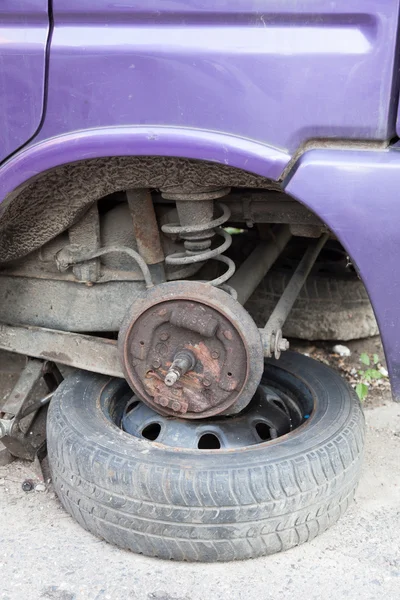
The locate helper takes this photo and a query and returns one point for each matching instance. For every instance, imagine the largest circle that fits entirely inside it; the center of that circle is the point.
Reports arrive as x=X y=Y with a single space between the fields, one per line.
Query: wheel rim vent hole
x=151 y=431
x=209 y=441
x=132 y=406
x=263 y=431
x=281 y=405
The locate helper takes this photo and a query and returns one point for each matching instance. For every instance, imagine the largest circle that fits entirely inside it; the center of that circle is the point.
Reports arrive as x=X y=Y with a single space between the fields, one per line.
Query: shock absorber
x=197 y=227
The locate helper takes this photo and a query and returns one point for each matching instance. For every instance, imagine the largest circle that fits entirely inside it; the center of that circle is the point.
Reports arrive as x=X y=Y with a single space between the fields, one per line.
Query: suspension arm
x=87 y=352
x=272 y=332
x=253 y=270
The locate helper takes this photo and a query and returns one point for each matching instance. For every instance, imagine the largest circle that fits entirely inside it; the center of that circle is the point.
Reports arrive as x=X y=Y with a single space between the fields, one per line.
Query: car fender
x=356 y=193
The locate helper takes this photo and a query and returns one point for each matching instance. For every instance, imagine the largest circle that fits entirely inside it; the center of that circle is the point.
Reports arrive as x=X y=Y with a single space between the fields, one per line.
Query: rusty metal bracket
x=22 y=423
x=147 y=233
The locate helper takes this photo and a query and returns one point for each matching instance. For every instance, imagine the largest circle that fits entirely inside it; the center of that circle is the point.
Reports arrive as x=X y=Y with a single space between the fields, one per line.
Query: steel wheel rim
x=272 y=413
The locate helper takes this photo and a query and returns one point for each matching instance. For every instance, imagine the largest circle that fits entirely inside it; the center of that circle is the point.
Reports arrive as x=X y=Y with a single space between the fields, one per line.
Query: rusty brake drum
x=190 y=350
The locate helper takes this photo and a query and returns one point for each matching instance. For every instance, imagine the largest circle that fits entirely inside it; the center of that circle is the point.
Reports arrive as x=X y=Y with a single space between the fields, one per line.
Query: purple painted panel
x=272 y=71
x=23 y=37
x=357 y=195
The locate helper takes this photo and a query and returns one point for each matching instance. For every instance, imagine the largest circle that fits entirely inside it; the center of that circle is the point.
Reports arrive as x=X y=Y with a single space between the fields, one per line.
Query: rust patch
x=60 y=357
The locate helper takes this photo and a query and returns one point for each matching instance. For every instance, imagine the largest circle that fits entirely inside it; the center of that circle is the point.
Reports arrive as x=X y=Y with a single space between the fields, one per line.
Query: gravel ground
x=45 y=554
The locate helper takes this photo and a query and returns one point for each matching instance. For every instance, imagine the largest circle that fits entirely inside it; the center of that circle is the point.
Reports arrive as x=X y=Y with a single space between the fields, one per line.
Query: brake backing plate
x=190 y=350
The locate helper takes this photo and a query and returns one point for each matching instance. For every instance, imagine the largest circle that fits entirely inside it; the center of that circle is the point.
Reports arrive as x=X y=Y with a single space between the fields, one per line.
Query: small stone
x=341 y=350
x=2 y=481
x=27 y=485
x=40 y=487
x=383 y=371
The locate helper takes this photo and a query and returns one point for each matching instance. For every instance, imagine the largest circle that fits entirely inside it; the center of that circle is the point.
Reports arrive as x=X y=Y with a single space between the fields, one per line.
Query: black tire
x=207 y=505
x=332 y=305
x=328 y=308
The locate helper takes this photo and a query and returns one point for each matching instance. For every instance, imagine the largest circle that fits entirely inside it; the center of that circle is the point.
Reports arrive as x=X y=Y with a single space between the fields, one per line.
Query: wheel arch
x=140 y=141
x=57 y=179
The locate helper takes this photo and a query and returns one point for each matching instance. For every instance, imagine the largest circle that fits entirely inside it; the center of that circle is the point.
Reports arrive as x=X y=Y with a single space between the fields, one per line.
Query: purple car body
x=305 y=93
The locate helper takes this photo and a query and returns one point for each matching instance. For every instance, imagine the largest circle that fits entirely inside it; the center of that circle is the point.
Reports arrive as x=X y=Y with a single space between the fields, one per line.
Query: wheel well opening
x=57 y=209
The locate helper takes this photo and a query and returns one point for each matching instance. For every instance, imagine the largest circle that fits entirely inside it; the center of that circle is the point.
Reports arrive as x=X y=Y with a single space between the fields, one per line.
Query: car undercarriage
x=148 y=300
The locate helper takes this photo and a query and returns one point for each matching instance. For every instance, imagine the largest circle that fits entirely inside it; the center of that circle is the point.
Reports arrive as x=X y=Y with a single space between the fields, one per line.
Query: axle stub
x=189 y=349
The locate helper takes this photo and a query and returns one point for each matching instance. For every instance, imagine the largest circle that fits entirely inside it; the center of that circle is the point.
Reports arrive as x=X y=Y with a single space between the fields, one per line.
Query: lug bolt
x=164 y=336
x=284 y=344
x=27 y=485
x=156 y=364
x=214 y=354
x=163 y=401
x=176 y=406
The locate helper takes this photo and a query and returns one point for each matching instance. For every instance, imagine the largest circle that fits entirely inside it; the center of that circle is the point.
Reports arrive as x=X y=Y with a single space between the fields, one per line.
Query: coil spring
x=205 y=230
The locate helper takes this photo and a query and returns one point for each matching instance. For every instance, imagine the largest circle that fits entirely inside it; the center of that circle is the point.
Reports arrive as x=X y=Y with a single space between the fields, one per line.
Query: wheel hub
x=189 y=349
